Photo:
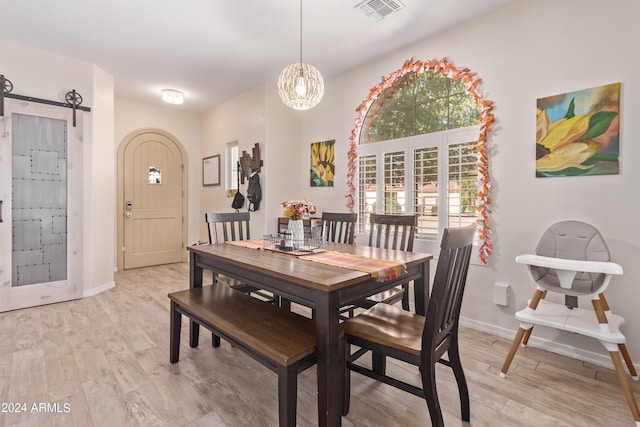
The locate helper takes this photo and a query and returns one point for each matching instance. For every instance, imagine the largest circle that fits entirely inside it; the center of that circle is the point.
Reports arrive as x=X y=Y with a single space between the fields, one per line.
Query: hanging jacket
x=254 y=192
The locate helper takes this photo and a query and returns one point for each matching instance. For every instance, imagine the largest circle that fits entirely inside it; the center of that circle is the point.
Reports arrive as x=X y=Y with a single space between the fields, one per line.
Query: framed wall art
x=578 y=133
x=323 y=167
x=211 y=170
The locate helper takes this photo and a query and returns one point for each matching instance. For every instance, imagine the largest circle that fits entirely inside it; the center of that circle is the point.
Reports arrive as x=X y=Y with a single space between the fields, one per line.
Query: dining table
x=324 y=287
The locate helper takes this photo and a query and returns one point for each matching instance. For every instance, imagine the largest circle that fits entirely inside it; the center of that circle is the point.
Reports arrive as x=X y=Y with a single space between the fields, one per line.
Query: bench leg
x=287 y=395
x=379 y=363
x=175 y=323
x=215 y=340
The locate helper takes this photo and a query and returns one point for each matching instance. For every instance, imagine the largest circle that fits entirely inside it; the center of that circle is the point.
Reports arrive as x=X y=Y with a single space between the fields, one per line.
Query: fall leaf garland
x=487 y=121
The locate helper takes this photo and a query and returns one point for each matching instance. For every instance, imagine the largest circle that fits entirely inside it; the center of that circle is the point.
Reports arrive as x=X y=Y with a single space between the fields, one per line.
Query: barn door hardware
x=5 y=87
x=73 y=99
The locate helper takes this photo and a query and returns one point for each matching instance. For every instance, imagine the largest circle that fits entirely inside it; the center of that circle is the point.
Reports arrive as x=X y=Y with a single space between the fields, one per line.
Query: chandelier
x=300 y=85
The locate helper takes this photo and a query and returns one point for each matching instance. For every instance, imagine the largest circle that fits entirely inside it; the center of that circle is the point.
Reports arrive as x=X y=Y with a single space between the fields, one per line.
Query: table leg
x=330 y=367
x=421 y=289
x=175 y=321
x=195 y=281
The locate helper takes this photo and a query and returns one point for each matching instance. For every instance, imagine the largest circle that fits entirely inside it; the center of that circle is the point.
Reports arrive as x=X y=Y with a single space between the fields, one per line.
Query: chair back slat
x=392 y=231
x=338 y=227
x=233 y=226
x=449 y=283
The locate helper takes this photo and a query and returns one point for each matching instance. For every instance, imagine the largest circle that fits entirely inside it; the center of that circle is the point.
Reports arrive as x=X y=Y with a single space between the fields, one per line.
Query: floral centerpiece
x=296 y=209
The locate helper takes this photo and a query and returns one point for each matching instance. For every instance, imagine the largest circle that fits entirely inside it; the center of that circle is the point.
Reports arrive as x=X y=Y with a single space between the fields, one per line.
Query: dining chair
x=389 y=331
x=232 y=226
x=572 y=259
x=389 y=232
x=338 y=227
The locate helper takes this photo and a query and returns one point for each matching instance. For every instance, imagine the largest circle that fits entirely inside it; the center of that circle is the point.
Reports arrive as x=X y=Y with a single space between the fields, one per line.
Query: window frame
x=442 y=140
x=231 y=163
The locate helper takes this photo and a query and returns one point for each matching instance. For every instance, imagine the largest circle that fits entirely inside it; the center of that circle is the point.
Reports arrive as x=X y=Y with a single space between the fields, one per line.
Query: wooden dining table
x=324 y=288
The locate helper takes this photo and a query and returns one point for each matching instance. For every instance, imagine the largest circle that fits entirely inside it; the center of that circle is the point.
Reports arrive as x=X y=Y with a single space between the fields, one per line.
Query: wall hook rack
x=250 y=164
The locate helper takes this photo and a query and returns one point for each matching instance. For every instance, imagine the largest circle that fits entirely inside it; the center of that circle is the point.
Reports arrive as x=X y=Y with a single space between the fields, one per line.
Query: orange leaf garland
x=487 y=120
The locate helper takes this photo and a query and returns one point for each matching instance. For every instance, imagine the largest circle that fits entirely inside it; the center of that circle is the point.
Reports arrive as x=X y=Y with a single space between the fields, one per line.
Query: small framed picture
x=211 y=170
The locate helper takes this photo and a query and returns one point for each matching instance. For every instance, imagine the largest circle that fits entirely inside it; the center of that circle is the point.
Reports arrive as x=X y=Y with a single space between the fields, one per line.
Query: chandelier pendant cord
x=301 y=70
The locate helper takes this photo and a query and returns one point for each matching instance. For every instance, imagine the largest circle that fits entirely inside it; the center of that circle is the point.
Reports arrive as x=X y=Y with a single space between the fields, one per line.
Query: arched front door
x=151 y=199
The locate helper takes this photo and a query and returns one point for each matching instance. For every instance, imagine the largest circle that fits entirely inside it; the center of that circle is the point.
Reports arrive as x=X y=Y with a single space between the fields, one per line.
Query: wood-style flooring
x=104 y=361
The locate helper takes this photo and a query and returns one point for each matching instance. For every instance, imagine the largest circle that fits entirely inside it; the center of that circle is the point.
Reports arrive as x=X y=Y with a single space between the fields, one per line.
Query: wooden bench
x=283 y=341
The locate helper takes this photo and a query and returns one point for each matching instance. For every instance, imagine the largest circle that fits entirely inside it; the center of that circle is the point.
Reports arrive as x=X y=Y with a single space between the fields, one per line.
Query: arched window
x=419 y=147
x=419 y=103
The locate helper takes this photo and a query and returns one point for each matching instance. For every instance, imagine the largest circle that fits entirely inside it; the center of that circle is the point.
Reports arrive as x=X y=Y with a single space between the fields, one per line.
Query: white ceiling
x=213 y=50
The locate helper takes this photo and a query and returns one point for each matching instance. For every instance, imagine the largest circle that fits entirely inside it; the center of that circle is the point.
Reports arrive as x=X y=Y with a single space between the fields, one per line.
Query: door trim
x=120 y=208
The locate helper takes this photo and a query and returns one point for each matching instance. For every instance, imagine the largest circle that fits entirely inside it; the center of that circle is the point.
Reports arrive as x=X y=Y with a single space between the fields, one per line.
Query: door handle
x=129 y=214
x=0 y=210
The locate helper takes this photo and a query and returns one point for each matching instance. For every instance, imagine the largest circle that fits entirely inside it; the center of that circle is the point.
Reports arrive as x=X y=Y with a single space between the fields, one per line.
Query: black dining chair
x=232 y=226
x=339 y=227
x=388 y=231
x=387 y=330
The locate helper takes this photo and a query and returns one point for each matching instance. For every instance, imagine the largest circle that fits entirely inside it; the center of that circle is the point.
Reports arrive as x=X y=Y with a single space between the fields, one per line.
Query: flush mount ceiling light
x=300 y=86
x=172 y=96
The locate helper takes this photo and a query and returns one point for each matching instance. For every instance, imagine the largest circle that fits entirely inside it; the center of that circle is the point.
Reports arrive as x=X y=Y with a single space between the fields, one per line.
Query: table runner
x=380 y=270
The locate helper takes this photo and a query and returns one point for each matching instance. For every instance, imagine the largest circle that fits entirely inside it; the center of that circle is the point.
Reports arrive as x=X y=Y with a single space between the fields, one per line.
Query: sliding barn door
x=41 y=205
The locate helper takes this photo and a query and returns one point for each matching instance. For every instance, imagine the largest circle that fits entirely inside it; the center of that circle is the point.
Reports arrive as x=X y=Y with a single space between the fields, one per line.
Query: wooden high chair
x=573 y=259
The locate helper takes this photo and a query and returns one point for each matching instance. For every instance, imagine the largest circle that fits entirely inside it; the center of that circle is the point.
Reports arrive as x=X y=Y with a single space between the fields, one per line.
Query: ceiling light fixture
x=300 y=86
x=172 y=96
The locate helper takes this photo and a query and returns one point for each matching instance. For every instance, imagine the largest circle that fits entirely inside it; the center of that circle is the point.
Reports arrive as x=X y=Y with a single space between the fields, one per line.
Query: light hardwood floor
x=103 y=361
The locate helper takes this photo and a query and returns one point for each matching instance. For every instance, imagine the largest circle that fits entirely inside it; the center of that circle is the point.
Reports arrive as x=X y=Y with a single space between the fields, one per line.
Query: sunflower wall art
x=577 y=133
x=323 y=167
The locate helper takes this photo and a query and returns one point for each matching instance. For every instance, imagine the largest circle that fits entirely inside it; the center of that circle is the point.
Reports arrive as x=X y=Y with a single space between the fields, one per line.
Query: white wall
x=239 y=119
x=185 y=127
x=258 y=115
x=100 y=185
x=283 y=149
x=527 y=51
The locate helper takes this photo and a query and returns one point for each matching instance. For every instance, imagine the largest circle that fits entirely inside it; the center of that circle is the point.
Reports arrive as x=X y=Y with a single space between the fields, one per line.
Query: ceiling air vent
x=378 y=9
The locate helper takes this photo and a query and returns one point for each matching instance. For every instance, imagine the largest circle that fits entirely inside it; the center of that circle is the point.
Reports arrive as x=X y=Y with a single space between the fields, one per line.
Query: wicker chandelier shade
x=300 y=85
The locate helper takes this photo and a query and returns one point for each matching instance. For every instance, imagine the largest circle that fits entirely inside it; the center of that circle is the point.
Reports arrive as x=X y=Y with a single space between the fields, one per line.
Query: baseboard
x=99 y=289
x=552 y=346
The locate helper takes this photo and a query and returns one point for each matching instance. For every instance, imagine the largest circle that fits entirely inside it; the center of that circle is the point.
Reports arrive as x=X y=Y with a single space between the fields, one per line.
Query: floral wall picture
x=323 y=167
x=577 y=133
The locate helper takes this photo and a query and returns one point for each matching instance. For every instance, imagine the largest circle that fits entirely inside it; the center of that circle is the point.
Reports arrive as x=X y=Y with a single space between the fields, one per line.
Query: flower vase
x=297 y=232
